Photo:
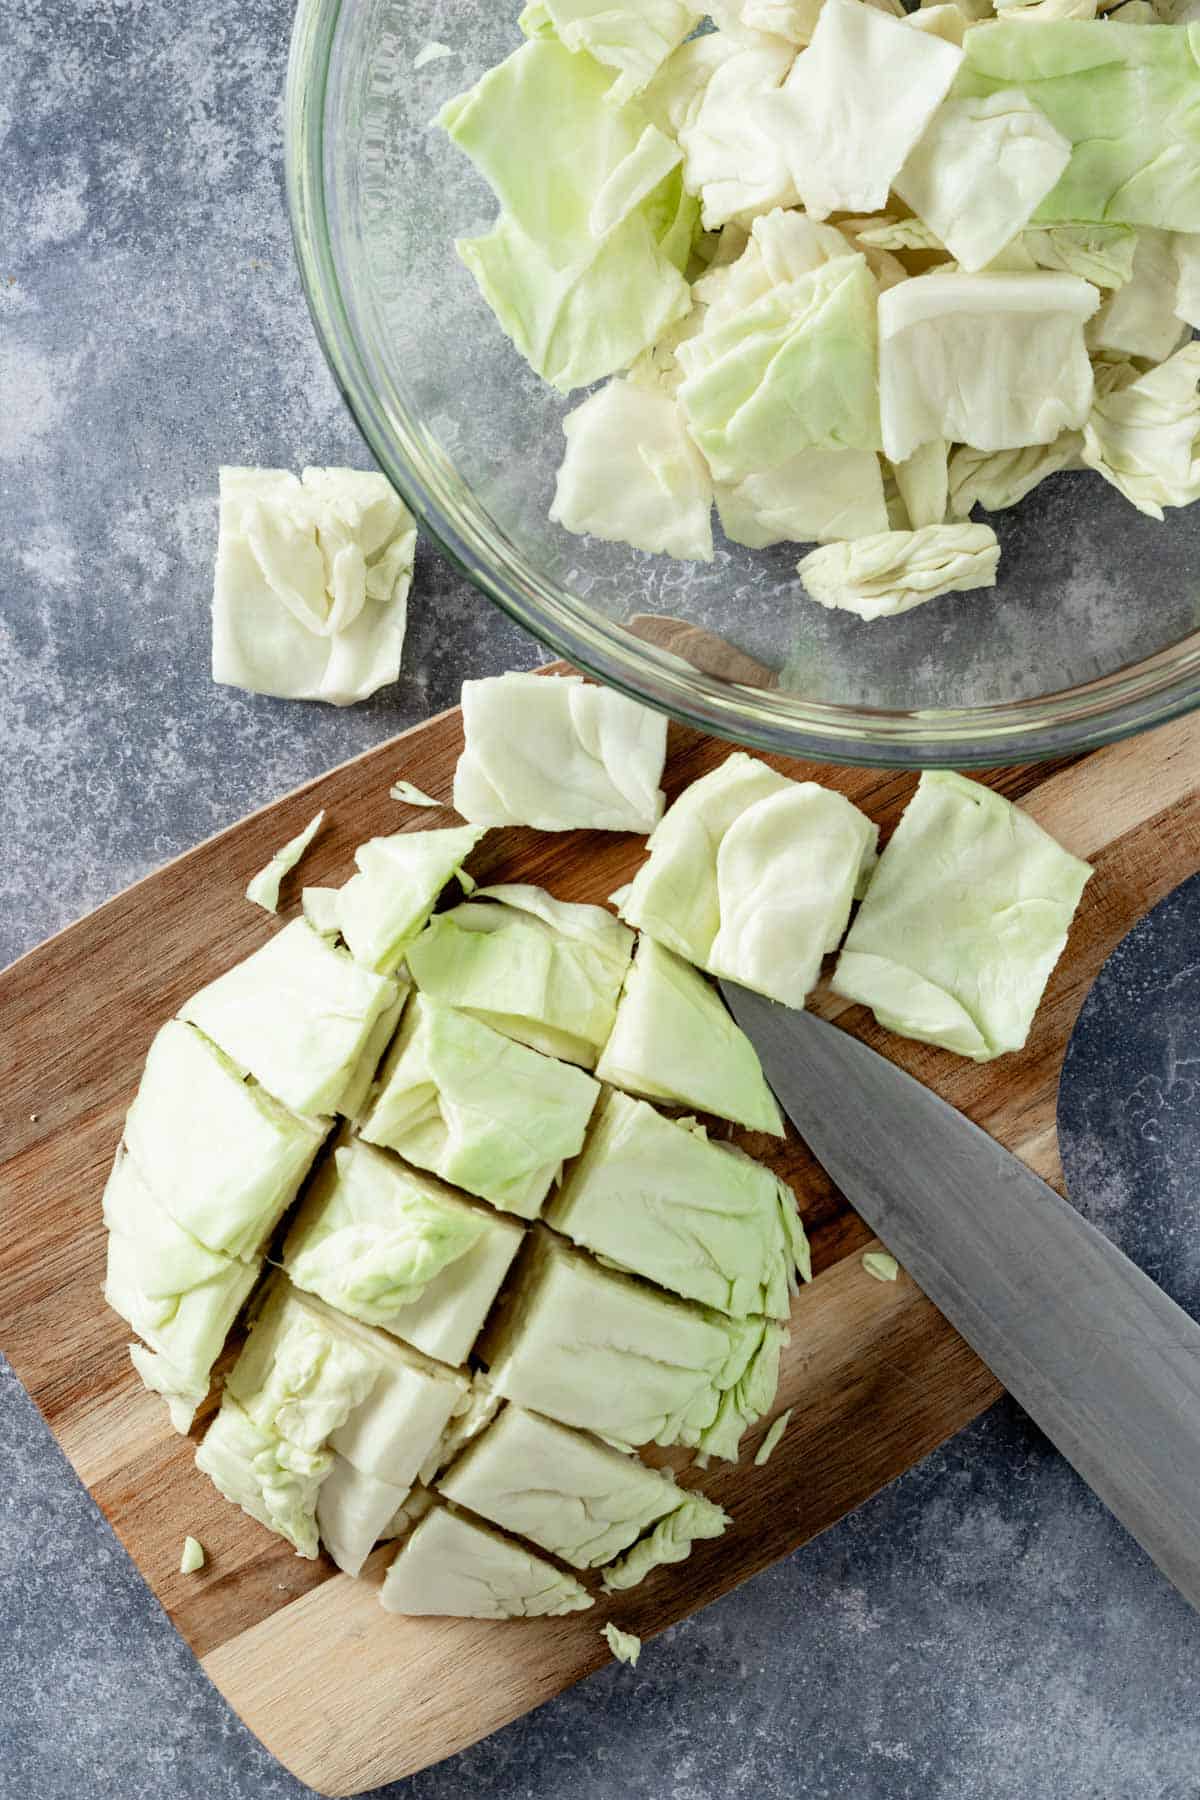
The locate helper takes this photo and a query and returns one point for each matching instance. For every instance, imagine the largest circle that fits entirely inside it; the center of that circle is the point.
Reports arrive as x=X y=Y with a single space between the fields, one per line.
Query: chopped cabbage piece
x=673 y=98
x=582 y=268
x=320 y=907
x=673 y=1040
x=432 y=52
x=272 y=1479
x=545 y=972
x=354 y=1510
x=813 y=497
x=263 y=888
x=1129 y=101
x=669 y=1542
x=311 y=588
x=880 y=576
x=449 y=1566
x=297 y=1015
x=656 y=1198
x=1040 y=10
x=995 y=479
x=1145 y=438
x=796 y=369
x=192 y=1557
x=771 y=1438
x=626 y=1646
x=948 y=21
x=632 y=475
x=923 y=483
x=1187 y=277
x=746 y=20
x=218 y=1154
x=295 y=1378
x=486 y=1113
x=410 y=795
x=1139 y=317
x=995 y=361
x=980 y=169
x=732 y=158
x=880 y=1265
x=966 y=916
x=557 y=753
x=394 y=1248
x=359 y=1086
x=634 y=39
x=1101 y=254
x=886 y=233
x=782 y=247
x=599 y=1351
x=854 y=105
x=388 y=902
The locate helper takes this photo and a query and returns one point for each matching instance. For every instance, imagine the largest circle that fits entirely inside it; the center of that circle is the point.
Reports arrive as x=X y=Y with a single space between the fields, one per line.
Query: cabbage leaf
x=1144 y=438
x=890 y=573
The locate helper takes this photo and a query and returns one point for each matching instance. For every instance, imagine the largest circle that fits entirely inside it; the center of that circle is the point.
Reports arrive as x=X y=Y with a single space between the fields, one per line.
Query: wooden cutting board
x=343 y=1694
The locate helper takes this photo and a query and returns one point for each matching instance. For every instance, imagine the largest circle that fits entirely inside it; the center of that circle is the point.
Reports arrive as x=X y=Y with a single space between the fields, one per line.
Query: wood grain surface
x=345 y=1695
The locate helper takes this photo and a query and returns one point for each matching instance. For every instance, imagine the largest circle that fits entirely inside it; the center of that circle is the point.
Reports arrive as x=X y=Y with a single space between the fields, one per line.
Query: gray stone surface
x=982 y=1629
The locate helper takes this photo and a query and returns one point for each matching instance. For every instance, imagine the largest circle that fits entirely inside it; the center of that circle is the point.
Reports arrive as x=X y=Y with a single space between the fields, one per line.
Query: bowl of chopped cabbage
x=824 y=379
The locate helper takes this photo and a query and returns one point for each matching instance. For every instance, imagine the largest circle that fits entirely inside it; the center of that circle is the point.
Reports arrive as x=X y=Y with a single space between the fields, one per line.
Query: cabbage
x=297 y=1379
x=979 y=170
x=549 y=978
x=669 y=1542
x=1040 y=10
x=320 y=907
x=1144 y=438
x=855 y=104
x=673 y=1040
x=795 y=370
x=634 y=39
x=995 y=361
x=1101 y=254
x=794 y=20
x=657 y=1199
x=384 y=906
x=273 y=1480
x=449 y=1566
x=353 y=1513
x=890 y=573
x=1187 y=278
x=921 y=480
x=1129 y=101
x=582 y=267
x=674 y=96
x=782 y=247
x=632 y=475
x=895 y=234
x=948 y=21
x=966 y=916
x=813 y=497
x=732 y=158
x=995 y=479
x=478 y=1109
x=1139 y=318
x=263 y=888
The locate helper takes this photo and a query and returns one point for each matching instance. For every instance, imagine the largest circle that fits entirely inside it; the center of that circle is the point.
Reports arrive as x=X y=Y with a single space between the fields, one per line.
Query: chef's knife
x=1095 y=1352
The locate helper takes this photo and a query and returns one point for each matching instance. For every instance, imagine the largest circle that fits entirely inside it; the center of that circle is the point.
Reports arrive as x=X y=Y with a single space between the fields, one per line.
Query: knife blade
x=1102 y=1360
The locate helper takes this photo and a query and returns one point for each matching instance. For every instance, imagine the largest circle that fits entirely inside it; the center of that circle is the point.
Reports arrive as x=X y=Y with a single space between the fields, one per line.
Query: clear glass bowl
x=1091 y=634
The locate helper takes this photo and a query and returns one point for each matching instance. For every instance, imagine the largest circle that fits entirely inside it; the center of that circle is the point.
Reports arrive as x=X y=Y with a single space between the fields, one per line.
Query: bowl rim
x=1127 y=700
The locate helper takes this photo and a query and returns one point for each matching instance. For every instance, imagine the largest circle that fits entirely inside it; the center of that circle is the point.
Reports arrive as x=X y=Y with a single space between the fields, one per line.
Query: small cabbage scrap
x=995 y=479
x=673 y=1040
x=794 y=20
x=411 y=795
x=296 y=1378
x=855 y=104
x=1101 y=254
x=191 y=1557
x=626 y=1646
x=1187 y=277
x=263 y=888
x=673 y=98
x=771 y=1438
x=922 y=482
x=632 y=475
x=966 y=916
x=668 y=1543
x=582 y=269
x=886 y=233
x=354 y=1510
x=388 y=902
x=1041 y=10
x=995 y=361
x=634 y=39
x=890 y=573
x=1144 y=438
x=544 y=972
x=980 y=169
x=1140 y=318
x=1129 y=101
x=451 y=1567
x=272 y=1479
x=481 y=1111
x=732 y=158
x=881 y=1265
x=311 y=588
x=812 y=498
x=948 y=21
x=782 y=247
x=557 y=753
x=795 y=370
x=657 y=1199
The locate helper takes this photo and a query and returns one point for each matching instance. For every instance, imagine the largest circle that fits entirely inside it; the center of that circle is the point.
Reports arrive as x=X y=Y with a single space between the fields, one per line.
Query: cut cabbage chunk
x=1144 y=437
x=815 y=496
x=263 y=888
x=450 y=1566
x=964 y=920
x=389 y=901
x=632 y=475
x=732 y=158
x=634 y=39
x=878 y=577
x=1139 y=318
x=995 y=479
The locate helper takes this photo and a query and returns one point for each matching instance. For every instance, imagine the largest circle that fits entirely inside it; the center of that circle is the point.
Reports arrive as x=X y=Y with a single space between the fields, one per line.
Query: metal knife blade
x=1096 y=1353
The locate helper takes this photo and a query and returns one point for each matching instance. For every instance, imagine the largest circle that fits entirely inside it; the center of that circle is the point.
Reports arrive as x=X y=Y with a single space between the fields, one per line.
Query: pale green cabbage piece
x=545 y=972
x=980 y=169
x=657 y=1199
x=569 y=1494
x=297 y=1014
x=1038 y=11
x=594 y=1349
x=922 y=480
x=388 y=902
x=1144 y=438
x=1101 y=254
x=480 y=1110
x=794 y=20
x=1187 y=277
x=966 y=916
x=632 y=475
x=948 y=21
x=559 y=754
x=1139 y=318
x=732 y=158
x=354 y=1510
x=815 y=496
x=1129 y=101
x=881 y=1265
x=672 y=99
x=673 y=1040
x=320 y=907
x=771 y=1438
x=855 y=104
x=449 y=1566
x=669 y=1542
x=996 y=361
x=273 y=1480
x=796 y=369
x=295 y=1378
x=410 y=795
x=395 y=1248
x=222 y=1157
x=635 y=39
x=885 y=233
x=878 y=577
x=583 y=266
x=998 y=478
x=192 y=1556
x=263 y=888
x=626 y=1646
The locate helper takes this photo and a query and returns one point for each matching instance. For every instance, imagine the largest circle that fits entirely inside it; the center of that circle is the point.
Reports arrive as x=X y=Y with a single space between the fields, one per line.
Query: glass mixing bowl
x=1091 y=633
